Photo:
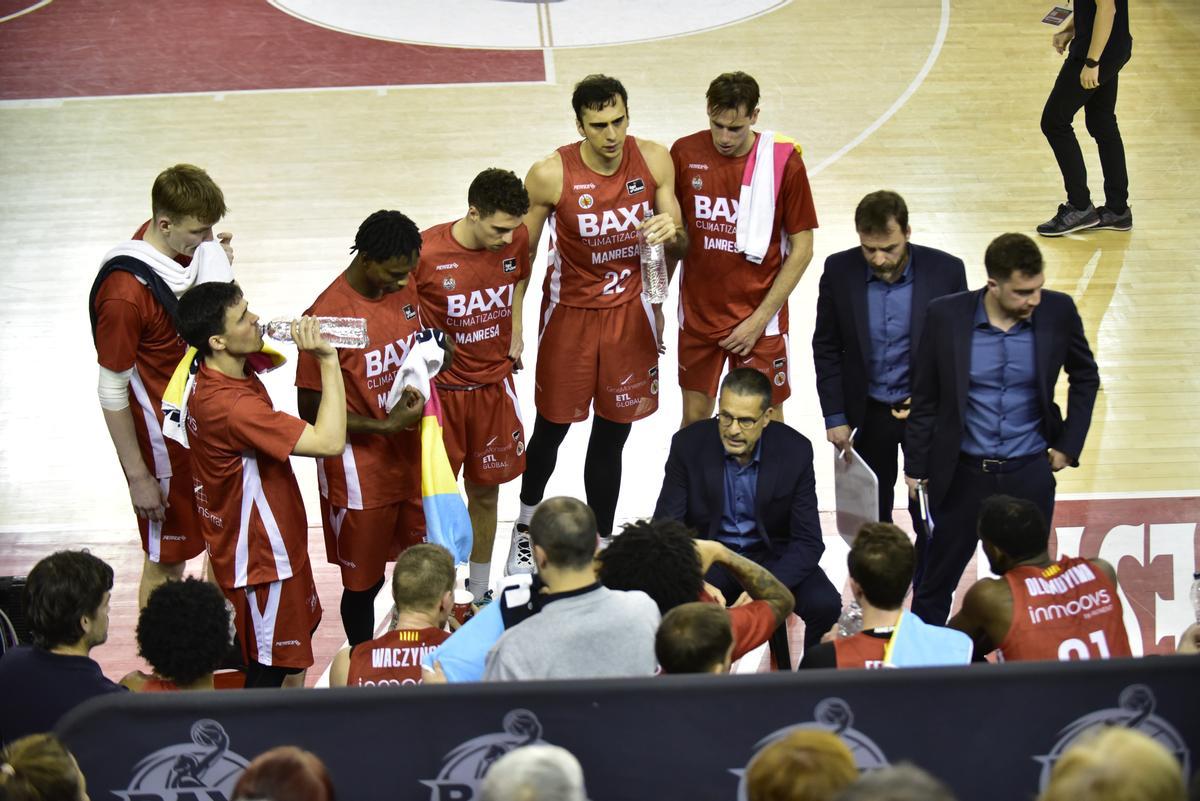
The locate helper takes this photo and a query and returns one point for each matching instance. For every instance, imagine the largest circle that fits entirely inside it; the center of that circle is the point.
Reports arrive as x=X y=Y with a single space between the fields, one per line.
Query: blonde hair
x=185 y=190
x=806 y=765
x=39 y=768
x=1115 y=764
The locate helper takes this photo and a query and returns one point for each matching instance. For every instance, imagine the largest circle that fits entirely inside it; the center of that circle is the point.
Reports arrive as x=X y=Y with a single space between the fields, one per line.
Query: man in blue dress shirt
x=870 y=317
x=984 y=420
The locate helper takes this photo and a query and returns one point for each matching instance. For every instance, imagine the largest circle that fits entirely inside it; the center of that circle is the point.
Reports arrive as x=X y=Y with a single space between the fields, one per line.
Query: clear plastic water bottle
x=341 y=332
x=1195 y=596
x=851 y=621
x=654 y=270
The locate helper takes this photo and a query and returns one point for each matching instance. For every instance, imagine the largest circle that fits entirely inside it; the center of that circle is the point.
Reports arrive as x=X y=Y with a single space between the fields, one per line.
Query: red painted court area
x=87 y=48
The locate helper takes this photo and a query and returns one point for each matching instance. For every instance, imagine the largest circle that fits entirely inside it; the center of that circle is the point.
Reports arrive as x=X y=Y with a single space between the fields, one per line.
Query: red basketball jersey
x=594 y=258
x=393 y=659
x=719 y=288
x=862 y=650
x=469 y=295
x=1069 y=610
x=373 y=470
x=250 y=507
x=134 y=331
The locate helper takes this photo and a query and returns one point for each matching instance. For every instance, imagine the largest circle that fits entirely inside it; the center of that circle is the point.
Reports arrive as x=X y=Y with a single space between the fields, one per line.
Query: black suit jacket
x=785 y=503
x=934 y=435
x=841 y=339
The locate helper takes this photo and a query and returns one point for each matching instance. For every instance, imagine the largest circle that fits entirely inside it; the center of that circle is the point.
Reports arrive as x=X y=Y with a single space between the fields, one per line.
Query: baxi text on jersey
x=716 y=209
x=484 y=300
x=613 y=221
x=389 y=357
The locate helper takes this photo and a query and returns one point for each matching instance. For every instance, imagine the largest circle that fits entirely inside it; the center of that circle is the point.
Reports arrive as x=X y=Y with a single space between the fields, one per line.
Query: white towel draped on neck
x=208 y=264
x=756 y=205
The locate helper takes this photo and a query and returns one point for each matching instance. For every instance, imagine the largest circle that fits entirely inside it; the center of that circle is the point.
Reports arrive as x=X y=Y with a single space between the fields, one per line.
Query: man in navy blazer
x=983 y=419
x=870 y=317
x=747 y=481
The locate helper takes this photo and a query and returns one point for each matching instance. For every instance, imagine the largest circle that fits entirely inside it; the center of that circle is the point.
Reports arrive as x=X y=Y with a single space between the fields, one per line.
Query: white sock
x=525 y=515
x=478 y=578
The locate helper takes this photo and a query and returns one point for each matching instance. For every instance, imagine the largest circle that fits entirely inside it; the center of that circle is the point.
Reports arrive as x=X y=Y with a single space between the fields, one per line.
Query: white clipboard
x=856 y=493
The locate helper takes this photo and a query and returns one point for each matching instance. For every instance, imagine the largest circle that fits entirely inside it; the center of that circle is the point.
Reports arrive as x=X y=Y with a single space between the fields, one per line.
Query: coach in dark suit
x=983 y=420
x=870 y=316
x=748 y=482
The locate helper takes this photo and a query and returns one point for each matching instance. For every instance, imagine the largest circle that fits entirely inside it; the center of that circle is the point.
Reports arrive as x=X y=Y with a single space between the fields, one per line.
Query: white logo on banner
x=202 y=770
x=464 y=767
x=832 y=715
x=1134 y=710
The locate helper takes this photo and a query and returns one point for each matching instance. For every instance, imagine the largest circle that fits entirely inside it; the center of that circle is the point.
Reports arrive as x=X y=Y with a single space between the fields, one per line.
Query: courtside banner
x=990 y=731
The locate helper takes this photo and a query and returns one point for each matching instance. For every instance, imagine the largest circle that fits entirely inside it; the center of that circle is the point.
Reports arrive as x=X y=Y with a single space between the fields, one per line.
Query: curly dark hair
x=656 y=557
x=387 y=235
x=183 y=631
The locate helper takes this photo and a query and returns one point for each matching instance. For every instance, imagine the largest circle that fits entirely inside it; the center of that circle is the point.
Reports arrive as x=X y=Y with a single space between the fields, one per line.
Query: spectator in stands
x=66 y=596
x=661 y=558
x=40 y=768
x=423 y=590
x=534 y=773
x=881 y=563
x=285 y=773
x=900 y=782
x=1039 y=608
x=584 y=630
x=184 y=632
x=1113 y=764
x=695 y=638
x=805 y=765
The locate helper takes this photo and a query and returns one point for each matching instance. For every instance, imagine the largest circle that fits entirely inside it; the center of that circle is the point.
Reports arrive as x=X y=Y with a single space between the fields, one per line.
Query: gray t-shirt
x=596 y=633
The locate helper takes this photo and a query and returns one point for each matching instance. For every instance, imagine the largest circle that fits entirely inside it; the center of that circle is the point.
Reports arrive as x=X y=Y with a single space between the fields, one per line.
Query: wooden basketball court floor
x=310 y=121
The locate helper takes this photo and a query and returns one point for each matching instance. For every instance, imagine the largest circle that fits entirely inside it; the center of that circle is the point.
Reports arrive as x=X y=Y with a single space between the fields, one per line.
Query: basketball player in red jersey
x=471 y=281
x=598 y=338
x=1039 y=608
x=132 y=303
x=731 y=310
x=423 y=589
x=250 y=507
x=370 y=491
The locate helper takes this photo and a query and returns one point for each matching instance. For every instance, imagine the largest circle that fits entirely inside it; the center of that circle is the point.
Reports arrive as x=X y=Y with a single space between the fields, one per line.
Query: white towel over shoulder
x=208 y=264
x=756 y=206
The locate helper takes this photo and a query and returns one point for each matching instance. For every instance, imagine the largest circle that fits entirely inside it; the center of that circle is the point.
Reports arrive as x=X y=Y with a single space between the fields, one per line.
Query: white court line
x=1126 y=496
x=548 y=31
x=23 y=12
x=935 y=51
x=221 y=94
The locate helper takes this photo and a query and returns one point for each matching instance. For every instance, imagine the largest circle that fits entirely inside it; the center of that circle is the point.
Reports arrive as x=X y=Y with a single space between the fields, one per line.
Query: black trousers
x=818 y=603
x=1100 y=115
x=876 y=442
x=955 y=535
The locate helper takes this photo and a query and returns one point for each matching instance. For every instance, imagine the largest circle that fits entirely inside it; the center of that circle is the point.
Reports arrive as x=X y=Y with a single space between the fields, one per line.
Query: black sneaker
x=1068 y=220
x=1111 y=221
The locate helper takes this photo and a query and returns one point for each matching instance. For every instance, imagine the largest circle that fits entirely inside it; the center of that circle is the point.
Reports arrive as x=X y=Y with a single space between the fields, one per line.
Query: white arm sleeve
x=114 y=389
